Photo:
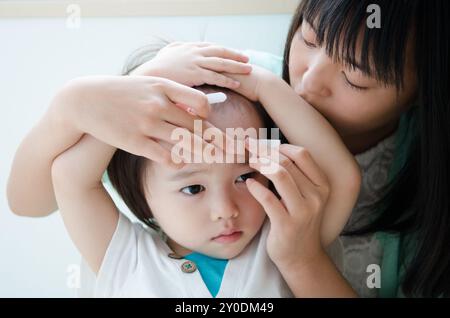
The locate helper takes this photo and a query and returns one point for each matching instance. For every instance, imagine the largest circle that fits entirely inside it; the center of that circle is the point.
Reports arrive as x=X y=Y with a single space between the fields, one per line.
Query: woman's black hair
x=416 y=203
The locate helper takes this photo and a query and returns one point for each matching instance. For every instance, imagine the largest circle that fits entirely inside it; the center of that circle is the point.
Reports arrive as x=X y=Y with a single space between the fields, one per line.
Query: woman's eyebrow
x=351 y=62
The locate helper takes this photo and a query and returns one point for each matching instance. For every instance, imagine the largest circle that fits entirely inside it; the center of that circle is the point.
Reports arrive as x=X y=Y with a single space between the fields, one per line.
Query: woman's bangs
x=343 y=27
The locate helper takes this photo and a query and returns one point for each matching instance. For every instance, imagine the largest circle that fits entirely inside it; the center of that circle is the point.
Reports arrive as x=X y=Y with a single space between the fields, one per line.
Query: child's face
x=197 y=203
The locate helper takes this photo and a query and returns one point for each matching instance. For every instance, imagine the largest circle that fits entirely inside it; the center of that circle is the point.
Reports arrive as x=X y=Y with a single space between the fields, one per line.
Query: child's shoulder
x=269 y=61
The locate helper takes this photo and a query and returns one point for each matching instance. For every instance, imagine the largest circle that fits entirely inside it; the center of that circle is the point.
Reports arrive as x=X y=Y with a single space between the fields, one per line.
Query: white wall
x=36 y=57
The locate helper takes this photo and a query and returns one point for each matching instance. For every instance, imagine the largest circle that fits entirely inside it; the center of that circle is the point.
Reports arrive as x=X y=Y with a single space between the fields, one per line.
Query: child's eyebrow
x=182 y=174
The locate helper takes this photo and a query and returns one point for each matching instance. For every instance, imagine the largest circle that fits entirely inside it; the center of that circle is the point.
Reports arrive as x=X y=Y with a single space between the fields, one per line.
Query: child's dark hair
x=127 y=171
x=417 y=202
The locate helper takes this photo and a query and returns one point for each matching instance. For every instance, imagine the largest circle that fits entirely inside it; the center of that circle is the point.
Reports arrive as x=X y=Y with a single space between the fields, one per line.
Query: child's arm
x=304 y=126
x=88 y=212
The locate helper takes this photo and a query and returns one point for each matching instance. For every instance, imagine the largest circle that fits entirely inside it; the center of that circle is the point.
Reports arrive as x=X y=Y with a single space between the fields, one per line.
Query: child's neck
x=177 y=248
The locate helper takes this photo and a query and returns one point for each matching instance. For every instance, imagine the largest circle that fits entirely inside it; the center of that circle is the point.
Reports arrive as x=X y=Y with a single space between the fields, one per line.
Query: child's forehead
x=235 y=112
x=189 y=170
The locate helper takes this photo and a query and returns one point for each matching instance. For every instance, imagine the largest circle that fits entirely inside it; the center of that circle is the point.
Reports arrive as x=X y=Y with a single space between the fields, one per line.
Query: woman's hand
x=195 y=64
x=133 y=113
x=295 y=219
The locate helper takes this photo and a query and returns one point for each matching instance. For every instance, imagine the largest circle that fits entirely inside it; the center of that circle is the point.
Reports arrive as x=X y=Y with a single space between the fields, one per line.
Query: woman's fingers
x=181 y=119
x=310 y=192
x=185 y=95
x=284 y=183
x=180 y=94
x=152 y=150
x=304 y=161
x=226 y=53
x=183 y=141
x=273 y=207
x=218 y=64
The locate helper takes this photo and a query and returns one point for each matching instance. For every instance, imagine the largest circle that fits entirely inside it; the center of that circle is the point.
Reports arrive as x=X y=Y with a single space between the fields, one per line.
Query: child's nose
x=224 y=208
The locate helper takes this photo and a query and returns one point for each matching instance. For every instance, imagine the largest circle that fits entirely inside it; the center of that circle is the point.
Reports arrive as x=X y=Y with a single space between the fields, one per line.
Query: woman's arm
x=87 y=210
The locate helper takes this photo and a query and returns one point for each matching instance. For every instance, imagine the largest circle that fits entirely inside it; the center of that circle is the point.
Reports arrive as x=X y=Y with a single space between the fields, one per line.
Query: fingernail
x=247 y=143
x=249 y=181
x=191 y=111
x=264 y=160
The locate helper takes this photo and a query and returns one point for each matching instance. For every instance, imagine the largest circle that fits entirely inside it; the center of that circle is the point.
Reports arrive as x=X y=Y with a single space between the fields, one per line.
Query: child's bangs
x=339 y=24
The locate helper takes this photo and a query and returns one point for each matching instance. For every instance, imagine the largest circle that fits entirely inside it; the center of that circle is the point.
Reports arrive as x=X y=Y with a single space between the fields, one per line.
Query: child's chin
x=228 y=253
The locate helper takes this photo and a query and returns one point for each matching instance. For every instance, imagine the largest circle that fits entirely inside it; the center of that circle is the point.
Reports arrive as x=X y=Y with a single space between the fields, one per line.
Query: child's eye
x=245 y=176
x=193 y=189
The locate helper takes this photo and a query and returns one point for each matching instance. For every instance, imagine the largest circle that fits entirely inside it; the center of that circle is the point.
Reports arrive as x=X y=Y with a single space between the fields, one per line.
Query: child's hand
x=132 y=113
x=295 y=220
x=195 y=64
x=250 y=84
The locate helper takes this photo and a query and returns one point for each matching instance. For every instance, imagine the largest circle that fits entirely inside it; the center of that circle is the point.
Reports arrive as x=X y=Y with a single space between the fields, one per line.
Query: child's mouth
x=228 y=238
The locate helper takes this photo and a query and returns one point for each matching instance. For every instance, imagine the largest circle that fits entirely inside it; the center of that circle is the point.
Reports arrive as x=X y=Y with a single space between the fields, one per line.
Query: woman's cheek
x=359 y=112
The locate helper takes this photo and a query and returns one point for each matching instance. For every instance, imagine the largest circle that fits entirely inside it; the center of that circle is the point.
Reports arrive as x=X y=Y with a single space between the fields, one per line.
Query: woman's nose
x=224 y=207
x=315 y=78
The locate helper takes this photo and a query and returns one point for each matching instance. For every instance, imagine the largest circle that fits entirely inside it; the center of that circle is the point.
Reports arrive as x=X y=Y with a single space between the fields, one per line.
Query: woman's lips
x=228 y=238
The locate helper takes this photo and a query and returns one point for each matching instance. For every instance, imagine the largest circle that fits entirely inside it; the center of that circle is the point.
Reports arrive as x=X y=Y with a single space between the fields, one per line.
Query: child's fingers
x=218 y=64
x=273 y=207
x=223 y=52
x=214 y=78
x=202 y=44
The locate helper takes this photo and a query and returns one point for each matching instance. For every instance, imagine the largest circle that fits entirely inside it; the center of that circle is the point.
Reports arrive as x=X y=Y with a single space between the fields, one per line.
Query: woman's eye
x=307 y=43
x=353 y=86
x=193 y=189
x=245 y=176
